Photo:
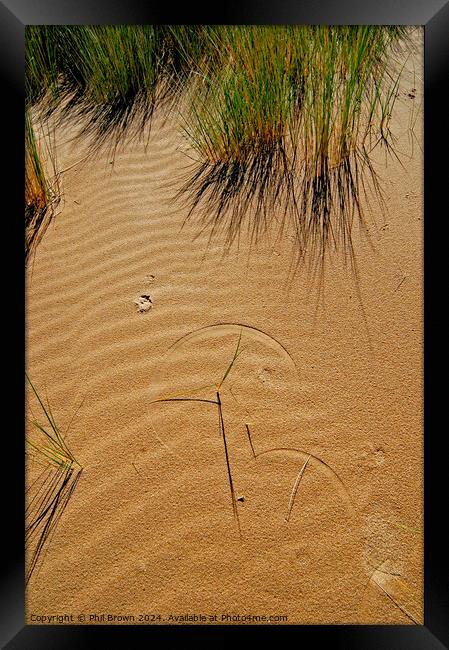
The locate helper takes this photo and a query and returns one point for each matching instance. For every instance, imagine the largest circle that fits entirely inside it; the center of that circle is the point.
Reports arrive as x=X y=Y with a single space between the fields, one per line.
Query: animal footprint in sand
x=144 y=303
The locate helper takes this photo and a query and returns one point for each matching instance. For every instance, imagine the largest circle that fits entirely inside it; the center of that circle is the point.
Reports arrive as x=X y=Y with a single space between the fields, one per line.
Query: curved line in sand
x=320 y=462
x=251 y=328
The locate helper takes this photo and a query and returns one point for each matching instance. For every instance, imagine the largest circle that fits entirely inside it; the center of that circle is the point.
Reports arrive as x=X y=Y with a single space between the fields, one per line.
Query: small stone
x=241 y=499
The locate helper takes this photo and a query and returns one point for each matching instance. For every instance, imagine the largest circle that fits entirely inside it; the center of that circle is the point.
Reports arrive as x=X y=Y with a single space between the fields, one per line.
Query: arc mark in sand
x=182 y=397
x=387 y=573
x=301 y=472
x=319 y=461
x=240 y=326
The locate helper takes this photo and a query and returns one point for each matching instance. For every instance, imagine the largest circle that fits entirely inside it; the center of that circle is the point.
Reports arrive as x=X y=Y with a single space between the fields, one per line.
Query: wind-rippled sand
x=334 y=385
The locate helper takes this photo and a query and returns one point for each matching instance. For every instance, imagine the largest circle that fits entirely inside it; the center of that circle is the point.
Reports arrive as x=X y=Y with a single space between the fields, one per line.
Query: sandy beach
x=127 y=304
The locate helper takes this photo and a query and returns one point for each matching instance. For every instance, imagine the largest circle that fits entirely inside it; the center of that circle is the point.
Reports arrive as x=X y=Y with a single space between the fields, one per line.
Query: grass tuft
x=41 y=194
x=283 y=122
x=282 y=119
x=49 y=494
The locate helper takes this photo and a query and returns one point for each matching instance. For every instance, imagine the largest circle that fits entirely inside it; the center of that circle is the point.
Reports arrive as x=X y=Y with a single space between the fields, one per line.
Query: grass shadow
x=49 y=494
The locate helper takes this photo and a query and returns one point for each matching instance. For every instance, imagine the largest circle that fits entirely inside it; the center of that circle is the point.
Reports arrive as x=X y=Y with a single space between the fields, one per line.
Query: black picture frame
x=434 y=16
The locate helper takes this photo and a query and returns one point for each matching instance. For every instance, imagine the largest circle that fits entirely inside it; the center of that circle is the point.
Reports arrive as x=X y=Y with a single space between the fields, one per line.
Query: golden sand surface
x=125 y=306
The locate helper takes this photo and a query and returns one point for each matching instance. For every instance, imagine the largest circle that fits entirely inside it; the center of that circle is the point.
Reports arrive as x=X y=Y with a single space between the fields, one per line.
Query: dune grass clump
x=105 y=74
x=282 y=119
x=237 y=122
x=108 y=78
x=49 y=494
x=41 y=194
x=283 y=123
x=111 y=78
x=44 y=56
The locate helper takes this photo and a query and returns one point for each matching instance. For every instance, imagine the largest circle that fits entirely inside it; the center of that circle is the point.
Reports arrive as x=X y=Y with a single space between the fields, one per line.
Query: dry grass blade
x=181 y=397
x=319 y=462
x=234 y=359
x=248 y=433
x=403 y=609
x=228 y=465
x=295 y=490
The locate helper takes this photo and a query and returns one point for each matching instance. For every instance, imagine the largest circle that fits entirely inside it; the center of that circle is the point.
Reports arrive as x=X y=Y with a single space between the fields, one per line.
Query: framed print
x=228 y=412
